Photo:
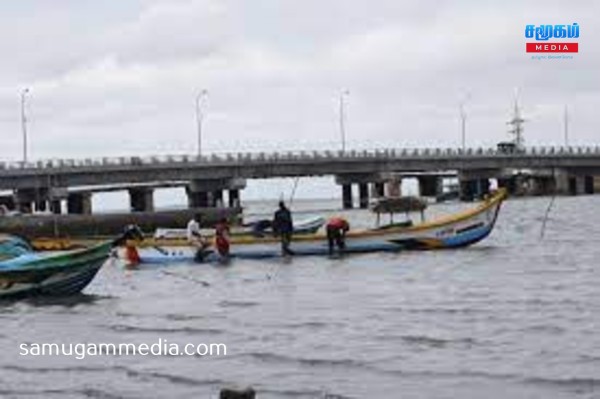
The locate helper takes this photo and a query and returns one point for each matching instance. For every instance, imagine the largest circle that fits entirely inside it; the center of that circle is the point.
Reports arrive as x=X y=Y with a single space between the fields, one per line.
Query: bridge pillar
x=209 y=193
x=141 y=199
x=197 y=199
x=467 y=190
x=394 y=188
x=8 y=201
x=217 y=198
x=562 y=182
x=474 y=189
x=347 y=196
x=540 y=185
x=509 y=183
x=429 y=186
x=24 y=199
x=596 y=184
x=234 y=198
x=41 y=205
x=579 y=185
x=588 y=185
x=483 y=187
x=55 y=196
x=79 y=203
x=379 y=189
x=56 y=206
x=363 y=195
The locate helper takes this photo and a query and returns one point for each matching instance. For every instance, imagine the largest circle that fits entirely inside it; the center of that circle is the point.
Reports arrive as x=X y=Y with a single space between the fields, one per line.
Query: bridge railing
x=301 y=155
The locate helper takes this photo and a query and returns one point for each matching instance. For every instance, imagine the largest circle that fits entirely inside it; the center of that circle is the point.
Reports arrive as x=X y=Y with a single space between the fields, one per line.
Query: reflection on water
x=513 y=316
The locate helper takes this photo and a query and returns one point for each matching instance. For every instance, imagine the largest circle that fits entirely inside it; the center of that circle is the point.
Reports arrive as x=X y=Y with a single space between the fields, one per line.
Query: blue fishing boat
x=452 y=231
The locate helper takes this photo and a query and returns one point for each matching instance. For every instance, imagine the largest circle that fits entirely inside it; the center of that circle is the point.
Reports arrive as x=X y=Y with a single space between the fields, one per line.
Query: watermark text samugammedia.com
x=160 y=348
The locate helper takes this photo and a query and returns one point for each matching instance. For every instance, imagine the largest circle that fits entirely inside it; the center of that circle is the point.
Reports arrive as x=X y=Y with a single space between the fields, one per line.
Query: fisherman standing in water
x=283 y=227
x=222 y=241
x=195 y=237
x=337 y=227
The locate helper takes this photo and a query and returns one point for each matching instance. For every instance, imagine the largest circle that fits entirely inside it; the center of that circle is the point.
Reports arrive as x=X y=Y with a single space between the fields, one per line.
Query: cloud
x=122 y=78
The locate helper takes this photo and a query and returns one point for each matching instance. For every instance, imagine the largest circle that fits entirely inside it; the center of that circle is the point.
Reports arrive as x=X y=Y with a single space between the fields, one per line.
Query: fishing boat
x=25 y=273
x=452 y=231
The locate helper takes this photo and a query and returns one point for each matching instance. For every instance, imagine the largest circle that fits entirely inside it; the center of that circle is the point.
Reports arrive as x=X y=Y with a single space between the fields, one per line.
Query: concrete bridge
x=537 y=170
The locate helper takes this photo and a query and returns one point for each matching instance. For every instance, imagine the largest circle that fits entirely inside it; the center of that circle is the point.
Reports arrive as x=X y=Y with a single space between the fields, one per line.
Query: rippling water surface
x=511 y=317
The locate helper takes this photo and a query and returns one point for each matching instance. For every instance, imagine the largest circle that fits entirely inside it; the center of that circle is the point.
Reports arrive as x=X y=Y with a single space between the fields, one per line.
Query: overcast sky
x=119 y=78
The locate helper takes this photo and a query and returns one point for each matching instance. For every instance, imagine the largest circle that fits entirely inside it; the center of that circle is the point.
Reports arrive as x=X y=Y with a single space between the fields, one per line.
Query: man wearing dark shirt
x=283 y=227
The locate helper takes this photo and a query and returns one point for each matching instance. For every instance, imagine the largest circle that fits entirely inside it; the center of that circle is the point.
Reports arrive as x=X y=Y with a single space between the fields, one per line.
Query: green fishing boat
x=25 y=273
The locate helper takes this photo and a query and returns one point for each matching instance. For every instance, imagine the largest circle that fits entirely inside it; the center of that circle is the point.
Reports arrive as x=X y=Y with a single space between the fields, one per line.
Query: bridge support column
x=198 y=199
x=24 y=199
x=8 y=201
x=467 y=190
x=540 y=185
x=562 y=184
x=363 y=180
x=588 y=185
x=234 y=198
x=579 y=184
x=41 y=205
x=209 y=193
x=429 y=186
x=141 y=199
x=79 y=203
x=379 y=189
x=217 y=198
x=596 y=184
x=56 y=206
x=474 y=189
x=394 y=188
x=363 y=195
x=483 y=187
x=509 y=184
x=347 y=196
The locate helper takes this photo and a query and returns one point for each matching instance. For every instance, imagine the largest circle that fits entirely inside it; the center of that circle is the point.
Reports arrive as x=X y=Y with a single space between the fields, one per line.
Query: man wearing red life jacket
x=337 y=227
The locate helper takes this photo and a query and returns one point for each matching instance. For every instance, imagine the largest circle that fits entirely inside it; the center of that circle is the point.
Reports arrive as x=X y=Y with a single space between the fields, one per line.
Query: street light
x=343 y=94
x=463 y=121
x=199 y=117
x=566 y=126
x=463 y=126
x=24 y=123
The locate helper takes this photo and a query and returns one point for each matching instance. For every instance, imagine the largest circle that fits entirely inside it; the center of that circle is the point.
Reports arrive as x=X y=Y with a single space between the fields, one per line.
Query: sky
x=122 y=78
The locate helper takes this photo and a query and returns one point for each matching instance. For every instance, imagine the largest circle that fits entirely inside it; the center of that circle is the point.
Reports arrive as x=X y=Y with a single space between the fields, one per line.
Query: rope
x=549 y=208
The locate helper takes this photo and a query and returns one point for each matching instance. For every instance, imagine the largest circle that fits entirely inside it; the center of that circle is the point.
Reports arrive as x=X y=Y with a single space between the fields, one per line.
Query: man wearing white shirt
x=194 y=235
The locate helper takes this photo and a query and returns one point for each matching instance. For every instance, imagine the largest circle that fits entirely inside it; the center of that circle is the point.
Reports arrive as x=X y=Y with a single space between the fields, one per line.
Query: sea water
x=515 y=316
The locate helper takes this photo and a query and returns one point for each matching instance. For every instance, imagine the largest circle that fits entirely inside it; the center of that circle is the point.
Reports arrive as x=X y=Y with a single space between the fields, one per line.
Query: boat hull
x=59 y=274
x=455 y=231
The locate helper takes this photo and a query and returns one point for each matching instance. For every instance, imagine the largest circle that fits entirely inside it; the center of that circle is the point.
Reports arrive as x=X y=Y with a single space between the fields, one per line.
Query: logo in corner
x=543 y=34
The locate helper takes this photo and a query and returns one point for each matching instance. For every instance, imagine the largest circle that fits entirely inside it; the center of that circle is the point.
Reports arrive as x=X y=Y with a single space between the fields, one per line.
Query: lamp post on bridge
x=343 y=94
x=463 y=126
x=463 y=121
x=200 y=117
x=566 y=126
x=24 y=123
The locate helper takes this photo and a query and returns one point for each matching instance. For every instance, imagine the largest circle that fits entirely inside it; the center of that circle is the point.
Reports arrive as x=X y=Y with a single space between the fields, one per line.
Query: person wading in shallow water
x=195 y=237
x=222 y=240
x=283 y=228
x=337 y=227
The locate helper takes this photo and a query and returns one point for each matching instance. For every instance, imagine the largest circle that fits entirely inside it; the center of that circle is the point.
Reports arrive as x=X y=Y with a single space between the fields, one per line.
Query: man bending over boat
x=195 y=237
x=337 y=227
x=283 y=228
